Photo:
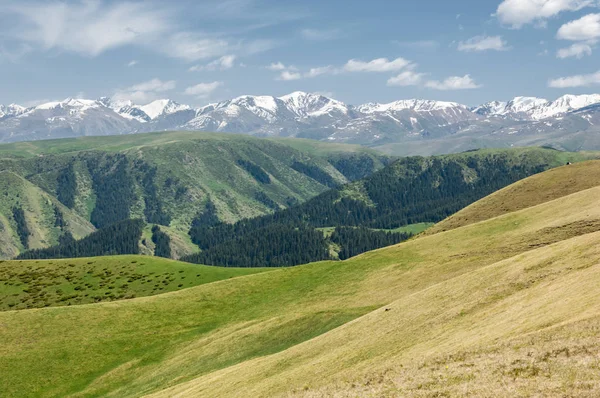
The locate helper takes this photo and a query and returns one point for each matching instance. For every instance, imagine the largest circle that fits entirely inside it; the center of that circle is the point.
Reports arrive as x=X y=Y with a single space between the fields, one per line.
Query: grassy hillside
x=46 y=218
x=46 y=283
x=529 y=192
x=503 y=307
x=168 y=178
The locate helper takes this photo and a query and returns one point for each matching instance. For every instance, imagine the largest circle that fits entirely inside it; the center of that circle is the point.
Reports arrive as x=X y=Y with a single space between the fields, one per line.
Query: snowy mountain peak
x=490 y=108
x=533 y=108
x=11 y=110
x=312 y=105
x=162 y=107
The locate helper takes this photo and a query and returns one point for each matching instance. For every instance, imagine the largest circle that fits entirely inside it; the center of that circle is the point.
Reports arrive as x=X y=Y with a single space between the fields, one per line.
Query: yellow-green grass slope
x=485 y=308
x=45 y=283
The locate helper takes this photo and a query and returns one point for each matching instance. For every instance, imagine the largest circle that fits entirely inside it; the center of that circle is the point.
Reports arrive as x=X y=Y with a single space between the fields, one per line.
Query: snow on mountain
x=312 y=105
x=490 y=108
x=162 y=107
x=413 y=104
x=533 y=108
x=304 y=115
x=11 y=110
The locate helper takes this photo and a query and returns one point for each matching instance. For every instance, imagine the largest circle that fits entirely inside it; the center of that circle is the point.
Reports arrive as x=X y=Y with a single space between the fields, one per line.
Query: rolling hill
x=166 y=179
x=504 y=306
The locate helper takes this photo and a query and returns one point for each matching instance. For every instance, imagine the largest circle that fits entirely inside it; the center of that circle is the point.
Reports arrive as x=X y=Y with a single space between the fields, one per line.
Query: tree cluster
x=120 y=238
x=162 y=243
x=315 y=173
x=22 y=227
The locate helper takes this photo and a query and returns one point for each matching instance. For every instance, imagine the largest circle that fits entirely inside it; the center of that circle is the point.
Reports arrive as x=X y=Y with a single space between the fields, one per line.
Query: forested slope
x=168 y=178
x=411 y=190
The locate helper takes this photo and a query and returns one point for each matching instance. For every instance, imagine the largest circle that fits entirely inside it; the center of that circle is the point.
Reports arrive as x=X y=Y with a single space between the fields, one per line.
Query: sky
x=198 y=52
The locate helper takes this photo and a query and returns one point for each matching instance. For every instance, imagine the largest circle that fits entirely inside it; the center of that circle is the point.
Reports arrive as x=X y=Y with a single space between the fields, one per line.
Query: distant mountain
x=402 y=127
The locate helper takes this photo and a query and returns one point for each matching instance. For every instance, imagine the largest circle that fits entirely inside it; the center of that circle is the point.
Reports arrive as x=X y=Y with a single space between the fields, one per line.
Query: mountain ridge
x=522 y=121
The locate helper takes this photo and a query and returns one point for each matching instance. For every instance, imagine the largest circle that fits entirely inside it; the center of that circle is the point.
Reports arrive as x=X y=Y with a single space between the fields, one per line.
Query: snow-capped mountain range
x=314 y=116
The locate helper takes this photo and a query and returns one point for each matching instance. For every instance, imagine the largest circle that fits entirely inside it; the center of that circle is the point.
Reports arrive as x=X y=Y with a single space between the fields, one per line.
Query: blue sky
x=196 y=52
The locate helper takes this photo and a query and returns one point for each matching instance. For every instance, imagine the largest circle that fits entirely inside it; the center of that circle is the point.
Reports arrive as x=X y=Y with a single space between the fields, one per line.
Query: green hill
x=38 y=284
x=367 y=214
x=31 y=218
x=502 y=307
x=168 y=178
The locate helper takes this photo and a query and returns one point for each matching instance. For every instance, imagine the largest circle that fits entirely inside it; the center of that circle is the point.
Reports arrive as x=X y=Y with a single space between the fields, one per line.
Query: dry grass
x=531 y=191
x=514 y=328
x=384 y=319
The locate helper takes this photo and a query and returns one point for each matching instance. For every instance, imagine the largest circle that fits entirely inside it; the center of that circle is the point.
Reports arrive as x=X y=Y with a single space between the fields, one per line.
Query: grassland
x=46 y=283
x=529 y=192
x=490 y=309
x=132 y=141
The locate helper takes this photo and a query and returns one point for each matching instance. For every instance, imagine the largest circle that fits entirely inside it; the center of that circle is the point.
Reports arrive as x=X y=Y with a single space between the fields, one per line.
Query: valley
x=491 y=303
x=237 y=201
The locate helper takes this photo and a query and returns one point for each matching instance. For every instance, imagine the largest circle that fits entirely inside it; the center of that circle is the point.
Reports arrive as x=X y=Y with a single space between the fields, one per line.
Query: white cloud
x=287 y=75
x=202 y=90
x=517 y=13
x=223 y=63
x=191 y=46
x=278 y=66
x=322 y=70
x=577 y=50
x=453 y=83
x=132 y=63
x=406 y=78
x=86 y=27
x=376 y=65
x=576 y=81
x=483 y=43
x=92 y=27
x=155 y=85
x=320 y=34
x=146 y=91
x=586 y=28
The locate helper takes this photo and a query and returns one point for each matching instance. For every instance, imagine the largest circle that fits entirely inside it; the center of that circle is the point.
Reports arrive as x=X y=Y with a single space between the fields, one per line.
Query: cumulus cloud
x=380 y=65
x=376 y=65
x=279 y=66
x=483 y=43
x=586 y=28
x=146 y=91
x=223 y=63
x=202 y=90
x=453 y=83
x=132 y=63
x=406 y=78
x=322 y=70
x=517 y=13
x=577 y=50
x=288 y=75
x=575 y=81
